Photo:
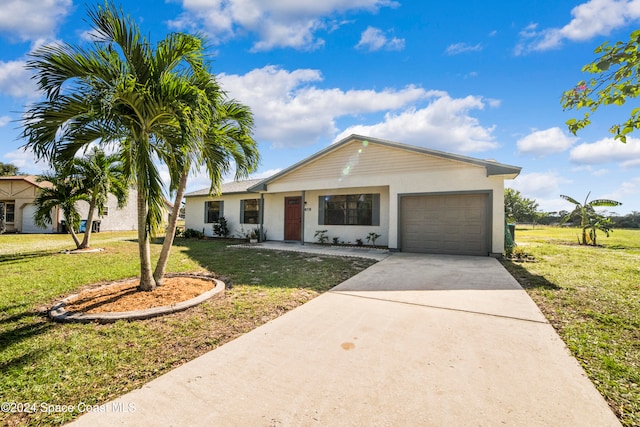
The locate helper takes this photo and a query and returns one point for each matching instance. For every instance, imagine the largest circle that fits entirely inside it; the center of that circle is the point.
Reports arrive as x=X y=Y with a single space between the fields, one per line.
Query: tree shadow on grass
x=526 y=279
x=22 y=328
x=25 y=256
x=269 y=268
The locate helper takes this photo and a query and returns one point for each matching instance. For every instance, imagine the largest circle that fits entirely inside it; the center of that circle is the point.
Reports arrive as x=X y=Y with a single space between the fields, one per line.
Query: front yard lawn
x=591 y=295
x=45 y=363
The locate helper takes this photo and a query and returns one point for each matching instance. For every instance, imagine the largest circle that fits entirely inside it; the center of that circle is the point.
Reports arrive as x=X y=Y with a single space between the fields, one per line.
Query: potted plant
x=253 y=237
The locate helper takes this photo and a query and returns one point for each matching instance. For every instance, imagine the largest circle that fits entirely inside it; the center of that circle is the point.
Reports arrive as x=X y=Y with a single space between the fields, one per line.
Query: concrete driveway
x=413 y=340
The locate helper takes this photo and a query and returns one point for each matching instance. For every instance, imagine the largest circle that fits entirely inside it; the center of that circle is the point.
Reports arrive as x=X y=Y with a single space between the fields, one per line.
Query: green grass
x=66 y=364
x=591 y=295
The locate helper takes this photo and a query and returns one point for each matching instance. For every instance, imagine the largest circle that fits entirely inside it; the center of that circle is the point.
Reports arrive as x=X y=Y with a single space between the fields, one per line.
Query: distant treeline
x=631 y=220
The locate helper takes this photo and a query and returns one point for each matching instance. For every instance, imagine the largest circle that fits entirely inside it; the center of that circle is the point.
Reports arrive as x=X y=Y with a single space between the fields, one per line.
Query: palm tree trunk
x=89 y=226
x=147 y=283
x=74 y=236
x=158 y=274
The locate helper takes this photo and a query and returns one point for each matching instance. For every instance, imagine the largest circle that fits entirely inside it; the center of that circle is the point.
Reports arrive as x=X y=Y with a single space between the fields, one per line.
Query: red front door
x=292 y=218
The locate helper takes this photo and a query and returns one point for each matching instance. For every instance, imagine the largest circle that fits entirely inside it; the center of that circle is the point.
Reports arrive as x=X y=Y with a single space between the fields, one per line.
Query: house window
x=250 y=211
x=9 y=212
x=104 y=211
x=349 y=209
x=213 y=211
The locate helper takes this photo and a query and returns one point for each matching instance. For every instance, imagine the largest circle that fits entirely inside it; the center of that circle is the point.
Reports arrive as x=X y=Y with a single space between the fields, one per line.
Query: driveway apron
x=425 y=340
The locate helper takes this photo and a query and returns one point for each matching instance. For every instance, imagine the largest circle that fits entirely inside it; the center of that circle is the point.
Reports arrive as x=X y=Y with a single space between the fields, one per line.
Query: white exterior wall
x=274 y=218
x=195 y=214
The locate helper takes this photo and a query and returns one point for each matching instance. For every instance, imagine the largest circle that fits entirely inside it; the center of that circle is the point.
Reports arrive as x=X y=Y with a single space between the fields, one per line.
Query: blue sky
x=478 y=78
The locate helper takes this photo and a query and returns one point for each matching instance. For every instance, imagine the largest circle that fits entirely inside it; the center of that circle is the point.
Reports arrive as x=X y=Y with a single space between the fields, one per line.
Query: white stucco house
x=416 y=199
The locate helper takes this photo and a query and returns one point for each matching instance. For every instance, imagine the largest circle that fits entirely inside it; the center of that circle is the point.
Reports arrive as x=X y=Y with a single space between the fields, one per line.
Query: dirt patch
x=124 y=296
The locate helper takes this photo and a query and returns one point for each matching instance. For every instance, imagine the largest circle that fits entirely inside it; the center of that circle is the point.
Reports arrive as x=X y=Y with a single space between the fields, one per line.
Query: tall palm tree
x=100 y=175
x=589 y=218
x=125 y=93
x=64 y=192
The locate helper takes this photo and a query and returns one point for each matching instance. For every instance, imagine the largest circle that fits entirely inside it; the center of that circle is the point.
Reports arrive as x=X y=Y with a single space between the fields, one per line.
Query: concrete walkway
x=413 y=340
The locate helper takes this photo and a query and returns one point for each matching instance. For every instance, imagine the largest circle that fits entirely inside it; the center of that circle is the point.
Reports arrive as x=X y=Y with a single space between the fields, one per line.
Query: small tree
x=99 y=175
x=64 y=192
x=616 y=78
x=589 y=219
x=518 y=208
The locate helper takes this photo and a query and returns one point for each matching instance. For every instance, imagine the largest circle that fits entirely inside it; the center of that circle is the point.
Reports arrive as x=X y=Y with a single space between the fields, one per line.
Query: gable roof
x=233 y=187
x=492 y=167
x=31 y=179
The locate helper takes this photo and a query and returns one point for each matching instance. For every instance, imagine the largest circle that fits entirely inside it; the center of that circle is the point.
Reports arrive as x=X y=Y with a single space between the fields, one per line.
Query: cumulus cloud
x=444 y=123
x=290 y=110
x=15 y=80
x=543 y=142
x=26 y=161
x=539 y=184
x=543 y=187
x=374 y=39
x=293 y=24
x=32 y=20
x=608 y=150
x=458 y=48
x=626 y=190
x=590 y=19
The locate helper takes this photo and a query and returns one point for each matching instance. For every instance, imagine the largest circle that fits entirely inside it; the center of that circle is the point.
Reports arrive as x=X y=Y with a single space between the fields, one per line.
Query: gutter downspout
x=303 y=213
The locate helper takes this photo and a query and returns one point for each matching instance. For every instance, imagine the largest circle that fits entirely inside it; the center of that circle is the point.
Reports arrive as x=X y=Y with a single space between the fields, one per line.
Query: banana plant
x=589 y=218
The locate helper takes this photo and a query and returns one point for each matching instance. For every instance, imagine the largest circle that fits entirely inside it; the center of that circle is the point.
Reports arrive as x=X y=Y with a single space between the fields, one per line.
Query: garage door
x=455 y=224
x=28 y=226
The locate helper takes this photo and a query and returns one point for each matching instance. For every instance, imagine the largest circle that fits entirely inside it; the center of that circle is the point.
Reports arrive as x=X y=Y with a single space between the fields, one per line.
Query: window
x=349 y=209
x=104 y=211
x=9 y=212
x=213 y=211
x=250 y=211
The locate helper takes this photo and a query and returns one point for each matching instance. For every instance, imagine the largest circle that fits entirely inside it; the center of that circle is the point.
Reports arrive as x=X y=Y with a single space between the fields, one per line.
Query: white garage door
x=456 y=224
x=27 y=221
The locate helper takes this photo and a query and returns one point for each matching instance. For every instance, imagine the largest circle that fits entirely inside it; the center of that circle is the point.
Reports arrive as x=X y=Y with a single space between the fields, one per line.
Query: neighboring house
x=17 y=195
x=112 y=218
x=417 y=199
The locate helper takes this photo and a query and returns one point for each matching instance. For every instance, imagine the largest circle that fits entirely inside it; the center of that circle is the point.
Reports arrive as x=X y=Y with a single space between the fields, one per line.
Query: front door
x=292 y=218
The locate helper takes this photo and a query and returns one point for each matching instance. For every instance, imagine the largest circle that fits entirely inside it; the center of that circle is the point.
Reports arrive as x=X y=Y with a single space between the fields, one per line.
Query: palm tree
x=138 y=99
x=227 y=140
x=100 y=175
x=63 y=192
x=589 y=218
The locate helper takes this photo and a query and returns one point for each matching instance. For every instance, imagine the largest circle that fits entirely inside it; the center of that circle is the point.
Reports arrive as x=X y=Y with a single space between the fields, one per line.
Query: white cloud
x=590 y=19
x=291 y=111
x=608 y=150
x=26 y=161
x=626 y=190
x=458 y=48
x=538 y=184
x=22 y=20
x=4 y=120
x=374 y=39
x=15 y=80
x=444 y=124
x=291 y=23
x=544 y=142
